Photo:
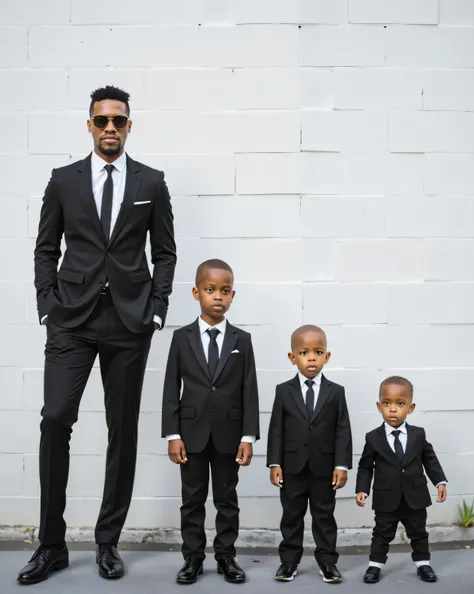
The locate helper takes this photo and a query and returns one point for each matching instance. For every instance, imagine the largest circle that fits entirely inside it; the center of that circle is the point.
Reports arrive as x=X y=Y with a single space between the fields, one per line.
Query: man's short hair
x=109 y=92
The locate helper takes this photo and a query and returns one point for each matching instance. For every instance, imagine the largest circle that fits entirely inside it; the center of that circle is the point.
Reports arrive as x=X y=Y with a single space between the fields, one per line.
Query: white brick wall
x=323 y=147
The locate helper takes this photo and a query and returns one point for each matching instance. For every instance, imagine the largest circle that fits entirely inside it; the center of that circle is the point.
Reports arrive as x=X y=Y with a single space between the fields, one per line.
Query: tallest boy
x=103 y=301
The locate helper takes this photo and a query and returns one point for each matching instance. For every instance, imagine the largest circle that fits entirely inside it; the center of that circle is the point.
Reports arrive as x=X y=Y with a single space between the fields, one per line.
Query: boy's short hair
x=398 y=381
x=307 y=328
x=212 y=263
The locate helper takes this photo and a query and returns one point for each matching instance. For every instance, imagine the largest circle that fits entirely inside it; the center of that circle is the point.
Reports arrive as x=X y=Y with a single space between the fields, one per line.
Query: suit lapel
x=324 y=391
x=195 y=341
x=410 y=447
x=84 y=185
x=295 y=389
x=230 y=340
x=384 y=445
x=132 y=185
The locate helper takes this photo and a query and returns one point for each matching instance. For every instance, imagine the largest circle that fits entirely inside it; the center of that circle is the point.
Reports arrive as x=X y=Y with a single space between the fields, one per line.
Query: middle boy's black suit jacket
x=225 y=406
x=394 y=480
x=324 y=440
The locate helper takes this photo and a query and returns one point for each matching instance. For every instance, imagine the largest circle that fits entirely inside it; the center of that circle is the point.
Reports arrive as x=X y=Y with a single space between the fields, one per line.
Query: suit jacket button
x=213 y=410
x=305 y=443
x=311 y=426
x=403 y=470
x=213 y=388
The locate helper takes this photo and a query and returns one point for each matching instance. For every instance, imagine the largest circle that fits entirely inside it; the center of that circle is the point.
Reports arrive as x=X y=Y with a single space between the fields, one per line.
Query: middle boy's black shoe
x=330 y=573
x=228 y=567
x=426 y=573
x=372 y=575
x=287 y=571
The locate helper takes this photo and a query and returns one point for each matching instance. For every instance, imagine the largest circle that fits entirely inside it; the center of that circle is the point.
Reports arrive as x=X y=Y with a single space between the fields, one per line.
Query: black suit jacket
x=197 y=406
x=324 y=440
x=68 y=295
x=393 y=480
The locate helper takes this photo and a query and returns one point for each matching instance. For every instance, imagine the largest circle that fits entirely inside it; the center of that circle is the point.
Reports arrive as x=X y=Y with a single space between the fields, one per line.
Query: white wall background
x=325 y=148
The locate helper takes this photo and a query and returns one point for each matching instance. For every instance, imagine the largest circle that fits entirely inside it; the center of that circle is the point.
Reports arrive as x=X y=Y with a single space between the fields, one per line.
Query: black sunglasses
x=102 y=121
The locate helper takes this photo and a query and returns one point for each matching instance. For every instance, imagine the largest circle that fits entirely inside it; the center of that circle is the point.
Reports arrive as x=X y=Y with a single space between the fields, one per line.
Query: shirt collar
x=389 y=429
x=98 y=163
x=316 y=379
x=203 y=326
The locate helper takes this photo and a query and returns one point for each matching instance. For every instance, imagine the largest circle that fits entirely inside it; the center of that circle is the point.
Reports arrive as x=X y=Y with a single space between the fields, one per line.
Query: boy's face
x=395 y=404
x=309 y=353
x=214 y=292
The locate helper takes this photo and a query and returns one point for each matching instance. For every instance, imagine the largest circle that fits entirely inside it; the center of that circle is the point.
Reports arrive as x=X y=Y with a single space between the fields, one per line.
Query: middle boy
x=210 y=418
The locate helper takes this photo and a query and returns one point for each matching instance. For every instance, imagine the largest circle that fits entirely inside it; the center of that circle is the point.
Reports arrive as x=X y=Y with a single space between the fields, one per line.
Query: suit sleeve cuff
x=158 y=321
x=174 y=436
x=248 y=439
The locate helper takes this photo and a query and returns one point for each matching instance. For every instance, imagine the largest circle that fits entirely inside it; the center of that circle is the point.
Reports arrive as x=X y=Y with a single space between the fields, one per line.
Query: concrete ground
x=153 y=572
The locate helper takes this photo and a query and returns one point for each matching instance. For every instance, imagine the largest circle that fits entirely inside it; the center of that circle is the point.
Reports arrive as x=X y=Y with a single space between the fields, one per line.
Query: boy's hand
x=177 y=451
x=244 y=455
x=442 y=493
x=339 y=479
x=360 y=499
x=276 y=476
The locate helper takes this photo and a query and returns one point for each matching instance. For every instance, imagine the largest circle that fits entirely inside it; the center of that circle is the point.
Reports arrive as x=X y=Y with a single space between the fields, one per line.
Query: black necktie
x=400 y=454
x=107 y=199
x=213 y=351
x=310 y=398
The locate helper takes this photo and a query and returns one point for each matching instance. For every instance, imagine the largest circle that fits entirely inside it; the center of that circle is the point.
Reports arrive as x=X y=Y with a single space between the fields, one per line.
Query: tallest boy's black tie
x=213 y=352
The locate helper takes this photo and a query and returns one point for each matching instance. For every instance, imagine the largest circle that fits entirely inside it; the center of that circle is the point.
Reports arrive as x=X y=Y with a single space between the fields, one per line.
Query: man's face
x=110 y=140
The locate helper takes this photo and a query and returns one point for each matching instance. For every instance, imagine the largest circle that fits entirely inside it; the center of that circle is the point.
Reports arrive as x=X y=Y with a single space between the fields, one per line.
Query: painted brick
x=188 y=89
x=449 y=90
x=345 y=303
x=330 y=12
x=341 y=216
x=12 y=303
x=350 y=45
x=456 y=12
x=434 y=132
x=448 y=174
x=13 y=47
x=431 y=303
x=83 y=81
x=378 y=89
x=46 y=133
x=267 y=88
x=30 y=12
x=14 y=138
x=250 y=131
x=176 y=132
x=448 y=259
x=351 y=131
x=430 y=47
x=50 y=89
x=11 y=395
x=14 y=216
x=422 y=12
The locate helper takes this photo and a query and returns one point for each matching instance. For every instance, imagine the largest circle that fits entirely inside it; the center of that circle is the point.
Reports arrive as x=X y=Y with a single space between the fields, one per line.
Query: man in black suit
x=103 y=301
x=210 y=418
x=396 y=454
x=309 y=452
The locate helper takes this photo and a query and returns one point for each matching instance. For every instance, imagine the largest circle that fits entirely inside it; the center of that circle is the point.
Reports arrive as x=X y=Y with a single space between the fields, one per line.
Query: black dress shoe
x=426 y=573
x=227 y=566
x=287 y=571
x=188 y=574
x=44 y=561
x=372 y=575
x=330 y=573
x=110 y=564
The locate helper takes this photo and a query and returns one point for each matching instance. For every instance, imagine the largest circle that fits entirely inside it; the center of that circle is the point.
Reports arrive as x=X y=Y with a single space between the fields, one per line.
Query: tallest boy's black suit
x=211 y=414
x=101 y=301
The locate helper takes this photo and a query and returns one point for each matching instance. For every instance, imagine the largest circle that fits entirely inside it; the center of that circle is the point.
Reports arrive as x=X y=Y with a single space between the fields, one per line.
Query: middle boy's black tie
x=398 y=446
x=310 y=398
x=213 y=351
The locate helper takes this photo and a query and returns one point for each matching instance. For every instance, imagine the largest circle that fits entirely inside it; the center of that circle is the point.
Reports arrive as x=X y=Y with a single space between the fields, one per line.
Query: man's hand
x=177 y=451
x=276 y=476
x=45 y=322
x=245 y=453
x=157 y=326
x=339 y=479
x=360 y=499
x=442 y=494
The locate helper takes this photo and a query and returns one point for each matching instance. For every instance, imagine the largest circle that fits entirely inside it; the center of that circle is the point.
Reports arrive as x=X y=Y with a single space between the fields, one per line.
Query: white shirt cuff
x=158 y=321
x=174 y=436
x=274 y=465
x=248 y=439
x=441 y=483
x=44 y=318
x=341 y=468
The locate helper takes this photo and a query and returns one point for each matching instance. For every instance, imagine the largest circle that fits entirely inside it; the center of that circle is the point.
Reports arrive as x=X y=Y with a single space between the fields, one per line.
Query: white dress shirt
x=316 y=388
x=205 y=339
x=402 y=437
x=119 y=178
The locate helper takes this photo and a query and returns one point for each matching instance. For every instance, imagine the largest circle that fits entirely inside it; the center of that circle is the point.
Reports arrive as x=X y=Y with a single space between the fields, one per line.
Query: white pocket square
x=143 y=202
x=236 y=351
